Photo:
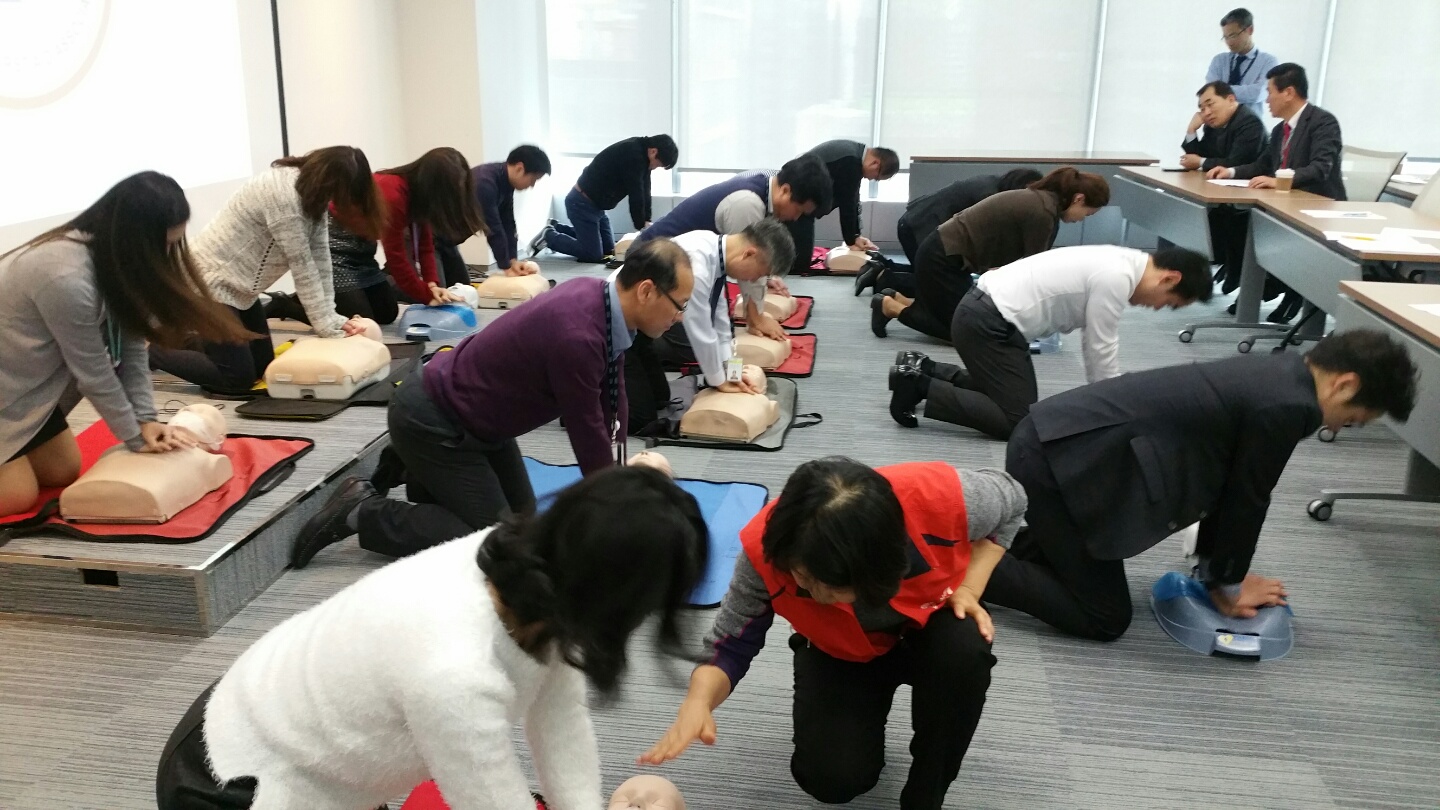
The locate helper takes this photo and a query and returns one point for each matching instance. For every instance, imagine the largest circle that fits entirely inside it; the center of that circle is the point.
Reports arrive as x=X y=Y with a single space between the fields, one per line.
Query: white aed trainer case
x=507 y=292
x=329 y=368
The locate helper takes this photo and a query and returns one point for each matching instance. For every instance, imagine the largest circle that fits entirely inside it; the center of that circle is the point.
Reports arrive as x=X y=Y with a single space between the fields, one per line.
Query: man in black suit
x=1224 y=133
x=1114 y=467
x=849 y=163
x=1307 y=140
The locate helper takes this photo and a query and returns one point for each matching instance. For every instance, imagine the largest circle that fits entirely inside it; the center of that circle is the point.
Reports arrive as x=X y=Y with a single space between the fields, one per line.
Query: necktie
x=1235 y=75
x=1285 y=145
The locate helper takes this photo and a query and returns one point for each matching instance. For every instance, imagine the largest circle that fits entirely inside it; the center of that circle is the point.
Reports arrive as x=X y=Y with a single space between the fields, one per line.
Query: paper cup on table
x=1284 y=178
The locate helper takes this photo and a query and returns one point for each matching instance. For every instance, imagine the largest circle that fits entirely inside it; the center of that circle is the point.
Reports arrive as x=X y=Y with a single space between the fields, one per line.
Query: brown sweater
x=1003 y=228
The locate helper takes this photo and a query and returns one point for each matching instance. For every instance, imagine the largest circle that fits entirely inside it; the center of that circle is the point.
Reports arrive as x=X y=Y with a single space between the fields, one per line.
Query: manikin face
x=647 y=792
x=1217 y=110
x=1237 y=39
x=822 y=593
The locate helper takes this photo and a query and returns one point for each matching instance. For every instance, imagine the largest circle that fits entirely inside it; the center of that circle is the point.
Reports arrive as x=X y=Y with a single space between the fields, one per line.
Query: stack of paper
x=1235 y=183
x=1321 y=213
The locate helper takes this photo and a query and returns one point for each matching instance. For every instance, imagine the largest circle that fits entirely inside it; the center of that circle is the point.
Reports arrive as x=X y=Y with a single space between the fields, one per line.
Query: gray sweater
x=994 y=508
x=52 y=327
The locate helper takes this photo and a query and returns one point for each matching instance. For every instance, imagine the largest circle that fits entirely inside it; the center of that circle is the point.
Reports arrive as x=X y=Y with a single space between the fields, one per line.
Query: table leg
x=1422 y=485
x=1247 y=303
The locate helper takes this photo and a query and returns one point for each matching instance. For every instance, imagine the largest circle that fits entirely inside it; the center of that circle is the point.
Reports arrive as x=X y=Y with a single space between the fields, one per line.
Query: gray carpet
x=1349 y=719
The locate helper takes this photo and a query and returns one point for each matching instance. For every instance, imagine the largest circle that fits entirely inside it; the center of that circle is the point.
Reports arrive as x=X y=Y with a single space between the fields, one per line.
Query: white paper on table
x=1235 y=183
x=1335 y=236
x=1412 y=233
x=1320 y=213
x=1409 y=179
x=1428 y=309
x=1372 y=245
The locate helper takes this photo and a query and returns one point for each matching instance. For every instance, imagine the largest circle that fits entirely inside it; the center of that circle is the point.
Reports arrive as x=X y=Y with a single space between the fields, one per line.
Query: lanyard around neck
x=612 y=378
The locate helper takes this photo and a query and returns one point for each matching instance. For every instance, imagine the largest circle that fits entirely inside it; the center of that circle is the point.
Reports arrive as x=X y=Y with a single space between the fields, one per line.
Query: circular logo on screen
x=46 y=47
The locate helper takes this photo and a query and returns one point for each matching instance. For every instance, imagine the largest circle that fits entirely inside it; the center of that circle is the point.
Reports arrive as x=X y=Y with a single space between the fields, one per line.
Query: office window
x=1156 y=54
x=1384 y=75
x=978 y=74
x=609 y=71
x=761 y=81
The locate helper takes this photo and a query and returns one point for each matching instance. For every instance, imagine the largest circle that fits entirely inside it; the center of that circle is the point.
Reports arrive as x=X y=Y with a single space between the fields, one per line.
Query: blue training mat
x=727 y=507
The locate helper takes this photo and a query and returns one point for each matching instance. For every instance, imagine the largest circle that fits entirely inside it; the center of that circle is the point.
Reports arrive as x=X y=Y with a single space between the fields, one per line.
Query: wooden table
x=1391 y=308
x=929 y=173
x=1291 y=246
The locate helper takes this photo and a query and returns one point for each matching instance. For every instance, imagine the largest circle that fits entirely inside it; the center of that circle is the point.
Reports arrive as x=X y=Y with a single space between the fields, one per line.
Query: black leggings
x=376 y=302
x=230 y=368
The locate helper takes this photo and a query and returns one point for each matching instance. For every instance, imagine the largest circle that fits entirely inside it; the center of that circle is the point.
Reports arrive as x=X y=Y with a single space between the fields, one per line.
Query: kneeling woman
x=418 y=670
x=879 y=572
x=80 y=301
x=276 y=223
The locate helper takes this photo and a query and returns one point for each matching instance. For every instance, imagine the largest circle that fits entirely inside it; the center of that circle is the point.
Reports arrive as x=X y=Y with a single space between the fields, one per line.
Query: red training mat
x=252 y=457
x=797 y=320
x=427 y=797
x=801 y=362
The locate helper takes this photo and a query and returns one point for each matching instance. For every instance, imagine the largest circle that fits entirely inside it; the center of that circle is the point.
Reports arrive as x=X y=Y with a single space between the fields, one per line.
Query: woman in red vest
x=879 y=572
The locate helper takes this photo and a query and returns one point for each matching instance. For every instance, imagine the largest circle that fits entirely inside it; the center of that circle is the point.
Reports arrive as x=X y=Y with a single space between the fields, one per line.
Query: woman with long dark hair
x=994 y=232
x=80 y=302
x=434 y=195
x=277 y=223
x=419 y=670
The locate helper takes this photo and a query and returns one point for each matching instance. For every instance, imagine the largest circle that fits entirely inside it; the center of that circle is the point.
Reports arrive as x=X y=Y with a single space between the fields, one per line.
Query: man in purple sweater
x=455 y=420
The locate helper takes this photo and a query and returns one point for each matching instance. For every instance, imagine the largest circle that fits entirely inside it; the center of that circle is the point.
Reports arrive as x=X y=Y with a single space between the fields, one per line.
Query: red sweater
x=405 y=242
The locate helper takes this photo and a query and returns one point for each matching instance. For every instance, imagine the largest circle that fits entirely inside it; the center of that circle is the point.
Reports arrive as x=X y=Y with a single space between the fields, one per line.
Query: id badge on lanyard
x=612 y=381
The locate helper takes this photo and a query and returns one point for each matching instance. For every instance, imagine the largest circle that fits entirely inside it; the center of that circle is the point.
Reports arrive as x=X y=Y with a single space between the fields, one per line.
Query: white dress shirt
x=709 y=329
x=1064 y=289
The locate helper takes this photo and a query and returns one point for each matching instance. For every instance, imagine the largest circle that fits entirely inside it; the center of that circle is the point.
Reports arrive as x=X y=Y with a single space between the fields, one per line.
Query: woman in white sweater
x=421 y=669
x=276 y=223
x=80 y=302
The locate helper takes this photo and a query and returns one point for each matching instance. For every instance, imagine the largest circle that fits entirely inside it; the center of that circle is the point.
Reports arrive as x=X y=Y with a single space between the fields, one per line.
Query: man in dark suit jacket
x=1229 y=134
x=924 y=214
x=1307 y=140
x=1115 y=467
x=849 y=164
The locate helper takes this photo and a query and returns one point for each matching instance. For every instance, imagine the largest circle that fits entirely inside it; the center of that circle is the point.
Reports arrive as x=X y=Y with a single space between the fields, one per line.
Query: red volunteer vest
x=934 y=505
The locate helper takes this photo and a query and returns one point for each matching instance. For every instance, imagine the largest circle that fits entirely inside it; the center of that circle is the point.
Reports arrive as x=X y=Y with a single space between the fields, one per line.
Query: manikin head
x=1217 y=104
x=763 y=248
x=202 y=423
x=525 y=165
x=1174 y=278
x=1237 y=29
x=653 y=460
x=647 y=792
x=879 y=163
x=1361 y=375
x=655 y=285
x=1287 y=89
x=369 y=328
x=801 y=188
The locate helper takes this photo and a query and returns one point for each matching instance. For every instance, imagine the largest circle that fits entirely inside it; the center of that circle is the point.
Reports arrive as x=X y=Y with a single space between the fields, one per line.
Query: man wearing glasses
x=1242 y=66
x=454 y=421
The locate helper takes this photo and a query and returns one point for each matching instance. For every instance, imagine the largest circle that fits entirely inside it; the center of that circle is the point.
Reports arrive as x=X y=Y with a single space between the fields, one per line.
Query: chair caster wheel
x=1186 y=336
x=1320 y=510
x=1326 y=435
x=1245 y=346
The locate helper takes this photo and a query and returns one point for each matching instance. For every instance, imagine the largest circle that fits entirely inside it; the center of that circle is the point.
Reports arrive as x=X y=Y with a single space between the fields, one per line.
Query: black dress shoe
x=907 y=389
x=866 y=278
x=328 y=525
x=1230 y=310
x=1281 y=314
x=919 y=360
x=878 y=319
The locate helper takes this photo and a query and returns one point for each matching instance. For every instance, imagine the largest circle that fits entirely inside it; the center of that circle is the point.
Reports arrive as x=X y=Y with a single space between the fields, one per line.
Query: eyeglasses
x=1234 y=36
x=679 y=307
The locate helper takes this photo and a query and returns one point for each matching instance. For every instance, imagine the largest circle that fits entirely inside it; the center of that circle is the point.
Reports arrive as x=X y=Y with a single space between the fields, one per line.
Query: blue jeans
x=588 y=236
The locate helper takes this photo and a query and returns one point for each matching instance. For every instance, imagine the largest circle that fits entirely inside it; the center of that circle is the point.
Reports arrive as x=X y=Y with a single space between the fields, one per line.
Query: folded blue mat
x=727 y=507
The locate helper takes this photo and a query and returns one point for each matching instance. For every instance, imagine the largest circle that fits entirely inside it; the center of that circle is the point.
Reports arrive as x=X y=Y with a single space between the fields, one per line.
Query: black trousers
x=376 y=302
x=456 y=482
x=908 y=242
x=183 y=780
x=1049 y=573
x=940 y=282
x=452 y=265
x=802 y=231
x=647 y=391
x=223 y=367
x=841 y=708
x=1228 y=227
x=996 y=387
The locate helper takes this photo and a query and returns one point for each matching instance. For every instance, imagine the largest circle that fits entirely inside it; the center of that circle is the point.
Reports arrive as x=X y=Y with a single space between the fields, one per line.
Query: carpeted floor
x=1350 y=719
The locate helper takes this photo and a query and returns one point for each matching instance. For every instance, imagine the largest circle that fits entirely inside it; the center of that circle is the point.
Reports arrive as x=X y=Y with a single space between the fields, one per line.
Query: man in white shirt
x=708 y=334
x=1060 y=290
x=1242 y=66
